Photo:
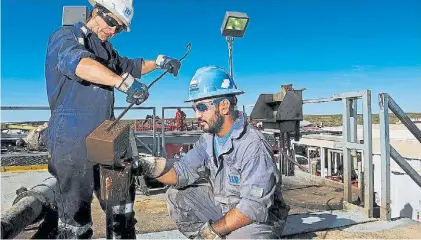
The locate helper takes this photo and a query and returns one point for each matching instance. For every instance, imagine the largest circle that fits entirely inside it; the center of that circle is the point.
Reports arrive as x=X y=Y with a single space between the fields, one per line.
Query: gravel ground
x=408 y=232
x=152 y=214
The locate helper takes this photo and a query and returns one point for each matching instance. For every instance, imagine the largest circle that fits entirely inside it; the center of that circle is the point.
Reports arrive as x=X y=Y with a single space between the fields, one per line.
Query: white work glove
x=170 y=64
x=207 y=232
x=136 y=91
x=150 y=166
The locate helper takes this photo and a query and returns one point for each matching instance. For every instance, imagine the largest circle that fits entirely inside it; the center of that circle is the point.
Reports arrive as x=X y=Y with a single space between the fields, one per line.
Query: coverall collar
x=87 y=32
x=240 y=126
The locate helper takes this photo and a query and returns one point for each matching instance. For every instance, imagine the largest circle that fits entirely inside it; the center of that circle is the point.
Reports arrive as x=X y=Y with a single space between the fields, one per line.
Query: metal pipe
x=229 y=41
x=48 y=108
x=163 y=150
x=29 y=207
x=405 y=166
x=346 y=138
x=320 y=100
x=288 y=158
x=368 y=155
x=154 y=131
x=19 y=216
x=394 y=107
x=385 y=212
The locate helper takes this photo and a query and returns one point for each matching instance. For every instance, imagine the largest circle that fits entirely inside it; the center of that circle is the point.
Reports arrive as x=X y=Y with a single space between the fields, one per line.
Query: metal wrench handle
x=149 y=86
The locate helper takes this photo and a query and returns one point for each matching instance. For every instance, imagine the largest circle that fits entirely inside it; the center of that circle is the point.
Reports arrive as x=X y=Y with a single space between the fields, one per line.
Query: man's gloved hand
x=168 y=63
x=207 y=232
x=136 y=91
x=148 y=166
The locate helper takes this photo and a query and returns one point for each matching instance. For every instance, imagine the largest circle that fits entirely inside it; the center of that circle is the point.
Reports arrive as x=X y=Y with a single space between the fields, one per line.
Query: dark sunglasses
x=204 y=106
x=110 y=21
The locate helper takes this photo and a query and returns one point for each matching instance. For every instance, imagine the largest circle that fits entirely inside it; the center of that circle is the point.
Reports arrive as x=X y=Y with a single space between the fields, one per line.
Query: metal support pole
x=229 y=41
x=322 y=162
x=394 y=107
x=282 y=162
x=163 y=151
x=154 y=146
x=335 y=162
x=290 y=165
x=308 y=159
x=360 y=175
x=385 y=212
x=354 y=133
x=346 y=151
x=368 y=155
x=353 y=120
x=405 y=166
x=329 y=163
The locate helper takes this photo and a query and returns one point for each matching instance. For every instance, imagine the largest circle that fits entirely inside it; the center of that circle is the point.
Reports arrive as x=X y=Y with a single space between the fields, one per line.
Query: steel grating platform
x=23 y=159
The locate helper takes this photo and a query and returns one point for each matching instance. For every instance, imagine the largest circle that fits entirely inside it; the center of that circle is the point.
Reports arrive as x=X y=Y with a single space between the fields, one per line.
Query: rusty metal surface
x=115 y=183
x=108 y=147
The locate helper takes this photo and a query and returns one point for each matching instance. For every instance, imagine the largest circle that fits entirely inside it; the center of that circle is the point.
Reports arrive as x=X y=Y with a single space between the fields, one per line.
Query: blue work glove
x=170 y=64
x=136 y=91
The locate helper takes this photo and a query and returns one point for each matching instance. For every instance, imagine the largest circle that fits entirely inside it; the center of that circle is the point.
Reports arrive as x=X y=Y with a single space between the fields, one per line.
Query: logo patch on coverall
x=234 y=179
x=256 y=191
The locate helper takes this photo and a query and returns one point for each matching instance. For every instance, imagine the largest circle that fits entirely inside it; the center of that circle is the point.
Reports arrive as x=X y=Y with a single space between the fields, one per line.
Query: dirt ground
x=152 y=214
x=409 y=232
x=150 y=211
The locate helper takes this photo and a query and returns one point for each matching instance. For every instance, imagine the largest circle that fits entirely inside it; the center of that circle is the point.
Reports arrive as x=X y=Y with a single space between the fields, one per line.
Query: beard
x=215 y=125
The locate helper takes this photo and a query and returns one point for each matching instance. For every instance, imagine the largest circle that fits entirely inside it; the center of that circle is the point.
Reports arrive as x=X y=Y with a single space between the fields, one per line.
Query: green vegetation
x=327 y=120
x=336 y=120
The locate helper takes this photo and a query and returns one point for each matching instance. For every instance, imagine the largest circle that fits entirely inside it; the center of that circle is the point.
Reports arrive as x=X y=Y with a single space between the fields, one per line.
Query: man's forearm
x=93 y=71
x=169 y=178
x=233 y=220
x=148 y=66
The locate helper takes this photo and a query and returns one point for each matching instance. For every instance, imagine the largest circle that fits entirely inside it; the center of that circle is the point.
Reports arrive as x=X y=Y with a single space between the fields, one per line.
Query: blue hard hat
x=211 y=82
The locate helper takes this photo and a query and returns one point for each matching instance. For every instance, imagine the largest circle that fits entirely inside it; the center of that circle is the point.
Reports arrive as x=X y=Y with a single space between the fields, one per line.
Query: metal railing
x=163 y=151
x=350 y=145
x=385 y=103
x=154 y=138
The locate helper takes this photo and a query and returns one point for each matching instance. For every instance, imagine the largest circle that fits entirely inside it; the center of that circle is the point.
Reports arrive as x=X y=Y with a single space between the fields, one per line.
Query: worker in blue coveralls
x=244 y=198
x=82 y=69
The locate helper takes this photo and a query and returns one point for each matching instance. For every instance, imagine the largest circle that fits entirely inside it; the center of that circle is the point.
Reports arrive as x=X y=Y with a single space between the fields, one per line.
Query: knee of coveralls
x=73 y=192
x=191 y=207
x=74 y=173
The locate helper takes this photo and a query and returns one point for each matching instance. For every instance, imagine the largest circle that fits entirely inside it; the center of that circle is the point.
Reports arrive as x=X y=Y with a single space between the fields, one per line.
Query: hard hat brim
x=216 y=94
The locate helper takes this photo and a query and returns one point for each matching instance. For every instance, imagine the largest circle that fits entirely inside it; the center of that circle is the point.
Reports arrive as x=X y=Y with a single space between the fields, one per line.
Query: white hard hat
x=123 y=9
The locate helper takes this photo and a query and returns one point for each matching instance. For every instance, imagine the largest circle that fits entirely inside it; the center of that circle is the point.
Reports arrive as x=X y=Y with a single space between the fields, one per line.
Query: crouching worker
x=244 y=199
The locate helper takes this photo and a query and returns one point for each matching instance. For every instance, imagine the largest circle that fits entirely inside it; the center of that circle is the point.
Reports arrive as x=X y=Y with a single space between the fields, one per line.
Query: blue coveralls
x=77 y=108
x=243 y=175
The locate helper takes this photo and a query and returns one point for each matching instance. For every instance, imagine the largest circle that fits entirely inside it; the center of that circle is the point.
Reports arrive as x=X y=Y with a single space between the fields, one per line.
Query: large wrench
x=149 y=86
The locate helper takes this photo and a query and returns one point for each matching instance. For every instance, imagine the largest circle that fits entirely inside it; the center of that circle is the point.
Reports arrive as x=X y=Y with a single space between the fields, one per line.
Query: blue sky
x=326 y=47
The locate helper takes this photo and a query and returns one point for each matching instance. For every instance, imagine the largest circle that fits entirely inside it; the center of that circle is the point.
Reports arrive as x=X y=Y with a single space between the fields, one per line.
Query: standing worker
x=180 y=116
x=82 y=69
x=244 y=199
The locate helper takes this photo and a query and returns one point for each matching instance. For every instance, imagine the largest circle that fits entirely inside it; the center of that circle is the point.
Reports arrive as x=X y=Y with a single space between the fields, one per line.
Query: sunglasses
x=110 y=21
x=205 y=106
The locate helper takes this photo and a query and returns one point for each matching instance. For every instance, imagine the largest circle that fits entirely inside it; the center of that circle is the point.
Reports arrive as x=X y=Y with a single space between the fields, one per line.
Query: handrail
x=385 y=103
x=154 y=137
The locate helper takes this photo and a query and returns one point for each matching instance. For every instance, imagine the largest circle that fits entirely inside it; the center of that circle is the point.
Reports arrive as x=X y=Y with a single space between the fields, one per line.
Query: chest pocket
x=231 y=177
